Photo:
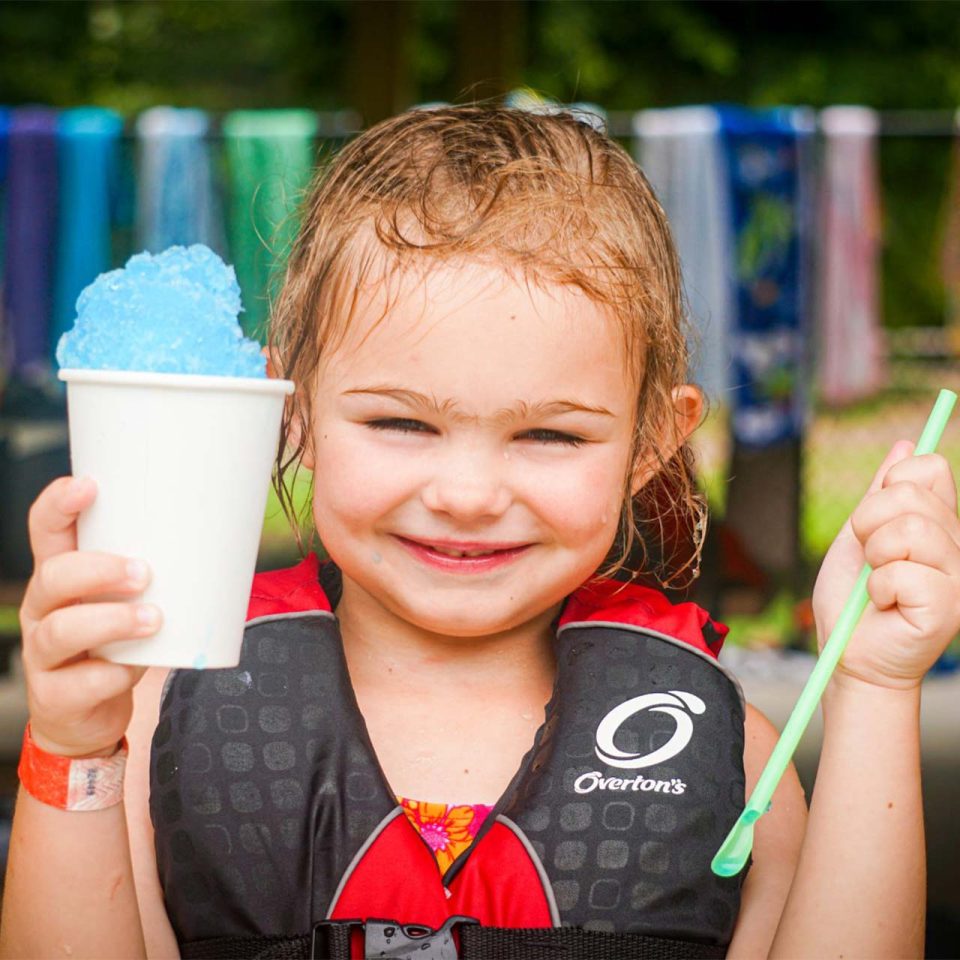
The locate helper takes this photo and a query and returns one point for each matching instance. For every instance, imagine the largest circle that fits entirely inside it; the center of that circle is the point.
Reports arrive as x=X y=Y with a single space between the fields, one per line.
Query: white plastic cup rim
x=175 y=381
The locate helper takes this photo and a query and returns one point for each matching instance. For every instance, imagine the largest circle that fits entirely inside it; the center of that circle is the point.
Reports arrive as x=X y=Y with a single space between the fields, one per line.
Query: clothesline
x=331 y=125
x=337 y=124
x=940 y=123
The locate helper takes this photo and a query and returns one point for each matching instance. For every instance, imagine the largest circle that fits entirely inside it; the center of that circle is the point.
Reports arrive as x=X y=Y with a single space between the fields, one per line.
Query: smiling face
x=471 y=450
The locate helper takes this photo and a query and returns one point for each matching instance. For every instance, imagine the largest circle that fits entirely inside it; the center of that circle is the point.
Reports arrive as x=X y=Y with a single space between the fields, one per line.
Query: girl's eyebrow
x=522 y=410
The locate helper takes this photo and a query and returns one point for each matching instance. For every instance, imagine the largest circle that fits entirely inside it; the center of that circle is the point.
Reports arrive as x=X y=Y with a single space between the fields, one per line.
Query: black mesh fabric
x=264 y=784
x=630 y=849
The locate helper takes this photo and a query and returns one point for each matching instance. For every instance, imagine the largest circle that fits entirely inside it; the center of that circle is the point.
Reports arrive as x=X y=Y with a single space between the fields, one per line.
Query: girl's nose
x=467 y=485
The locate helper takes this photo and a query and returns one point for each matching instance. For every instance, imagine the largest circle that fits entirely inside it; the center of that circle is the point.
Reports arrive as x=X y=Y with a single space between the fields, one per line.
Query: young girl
x=483 y=316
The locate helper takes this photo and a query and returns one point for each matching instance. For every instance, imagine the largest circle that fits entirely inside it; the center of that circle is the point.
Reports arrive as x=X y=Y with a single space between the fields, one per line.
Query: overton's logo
x=676 y=704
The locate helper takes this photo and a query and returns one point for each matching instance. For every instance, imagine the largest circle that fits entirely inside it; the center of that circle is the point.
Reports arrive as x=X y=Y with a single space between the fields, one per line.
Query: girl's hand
x=906 y=528
x=79 y=705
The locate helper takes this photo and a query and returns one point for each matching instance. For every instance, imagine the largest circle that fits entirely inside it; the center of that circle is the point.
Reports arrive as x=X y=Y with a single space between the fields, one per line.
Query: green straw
x=733 y=852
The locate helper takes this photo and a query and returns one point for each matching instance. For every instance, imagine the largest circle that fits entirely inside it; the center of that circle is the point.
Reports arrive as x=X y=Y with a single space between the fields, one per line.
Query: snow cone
x=171 y=413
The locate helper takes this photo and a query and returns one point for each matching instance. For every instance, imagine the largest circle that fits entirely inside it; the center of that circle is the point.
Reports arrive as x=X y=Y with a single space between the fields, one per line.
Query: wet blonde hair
x=547 y=197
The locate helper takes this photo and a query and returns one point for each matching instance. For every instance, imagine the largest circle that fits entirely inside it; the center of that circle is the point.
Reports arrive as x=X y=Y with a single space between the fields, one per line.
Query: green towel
x=270 y=157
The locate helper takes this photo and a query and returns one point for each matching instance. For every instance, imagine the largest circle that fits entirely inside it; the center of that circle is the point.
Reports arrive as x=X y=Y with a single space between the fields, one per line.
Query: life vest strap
x=476 y=943
x=575 y=943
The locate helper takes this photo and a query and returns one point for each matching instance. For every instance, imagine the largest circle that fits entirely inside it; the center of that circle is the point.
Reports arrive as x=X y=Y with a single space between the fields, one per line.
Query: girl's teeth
x=463 y=553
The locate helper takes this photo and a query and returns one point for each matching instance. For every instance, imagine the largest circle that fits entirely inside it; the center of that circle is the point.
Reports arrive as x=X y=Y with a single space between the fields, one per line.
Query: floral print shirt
x=448 y=829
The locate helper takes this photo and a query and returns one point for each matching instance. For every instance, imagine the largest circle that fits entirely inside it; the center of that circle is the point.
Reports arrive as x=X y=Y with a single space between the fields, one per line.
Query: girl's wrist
x=51 y=747
x=72 y=783
x=851 y=689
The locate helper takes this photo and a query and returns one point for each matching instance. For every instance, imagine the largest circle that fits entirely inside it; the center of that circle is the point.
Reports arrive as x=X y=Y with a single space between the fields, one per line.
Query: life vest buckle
x=387 y=939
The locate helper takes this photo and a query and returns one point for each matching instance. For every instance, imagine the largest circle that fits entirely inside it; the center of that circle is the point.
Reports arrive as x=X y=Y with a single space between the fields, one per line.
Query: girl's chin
x=466 y=621
x=466 y=628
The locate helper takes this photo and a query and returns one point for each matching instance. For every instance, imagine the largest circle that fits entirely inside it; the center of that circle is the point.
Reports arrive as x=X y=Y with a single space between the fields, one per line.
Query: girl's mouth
x=462 y=556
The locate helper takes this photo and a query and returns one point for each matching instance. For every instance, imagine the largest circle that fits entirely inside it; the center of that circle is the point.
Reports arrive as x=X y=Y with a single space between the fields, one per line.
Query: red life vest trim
x=392 y=857
x=632 y=604
x=290 y=590
x=521 y=895
x=395 y=874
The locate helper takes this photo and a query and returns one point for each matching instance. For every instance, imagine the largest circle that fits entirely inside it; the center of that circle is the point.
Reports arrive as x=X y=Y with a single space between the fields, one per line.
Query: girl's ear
x=295 y=427
x=687 y=412
x=295 y=432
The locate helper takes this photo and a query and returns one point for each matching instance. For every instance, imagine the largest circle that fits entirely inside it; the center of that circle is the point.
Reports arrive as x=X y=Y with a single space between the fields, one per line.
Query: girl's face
x=470 y=450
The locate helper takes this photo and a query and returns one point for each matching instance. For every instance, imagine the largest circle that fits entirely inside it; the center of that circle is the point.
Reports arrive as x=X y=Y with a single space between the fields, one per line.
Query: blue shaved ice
x=175 y=312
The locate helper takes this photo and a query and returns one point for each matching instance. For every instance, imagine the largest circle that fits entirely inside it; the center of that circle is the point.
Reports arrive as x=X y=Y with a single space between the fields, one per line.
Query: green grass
x=277 y=540
x=9 y=622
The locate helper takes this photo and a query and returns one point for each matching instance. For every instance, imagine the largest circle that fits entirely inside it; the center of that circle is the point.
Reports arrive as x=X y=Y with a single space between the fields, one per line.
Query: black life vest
x=271 y=812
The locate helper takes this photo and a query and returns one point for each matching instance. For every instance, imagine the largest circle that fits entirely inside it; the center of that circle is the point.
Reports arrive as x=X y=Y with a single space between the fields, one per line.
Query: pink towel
x=852 y=354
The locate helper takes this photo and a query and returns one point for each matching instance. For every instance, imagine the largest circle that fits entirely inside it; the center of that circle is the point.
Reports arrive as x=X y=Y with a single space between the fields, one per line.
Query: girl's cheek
x=362 y=477
x=586 y=502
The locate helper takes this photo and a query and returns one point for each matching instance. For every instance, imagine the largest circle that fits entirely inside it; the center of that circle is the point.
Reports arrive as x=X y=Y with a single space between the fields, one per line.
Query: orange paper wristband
x=72 y=783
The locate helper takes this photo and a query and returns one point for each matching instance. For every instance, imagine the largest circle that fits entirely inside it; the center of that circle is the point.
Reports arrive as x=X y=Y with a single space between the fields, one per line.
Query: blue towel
x=31 y=224
x=769 y=164
x=177 y=202
x=89 y=154
x=4 y=134
x=4 y=149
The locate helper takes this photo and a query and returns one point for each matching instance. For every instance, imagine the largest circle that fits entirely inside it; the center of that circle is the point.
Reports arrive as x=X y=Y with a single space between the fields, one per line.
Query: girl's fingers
x=53 y=516
x=69 y=632
x=931 y=471
x=72 y=692
x=915 y=537
x=65 y=578
x=903 y=498
x=921 y=595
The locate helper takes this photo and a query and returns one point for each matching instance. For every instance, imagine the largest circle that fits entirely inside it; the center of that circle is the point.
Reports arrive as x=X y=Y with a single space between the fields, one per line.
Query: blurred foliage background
x=623 y=54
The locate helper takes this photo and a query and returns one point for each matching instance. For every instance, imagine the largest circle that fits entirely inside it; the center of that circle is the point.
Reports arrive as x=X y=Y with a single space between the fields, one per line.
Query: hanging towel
x=270 y=156
x=681 y=153
x=30 y=227
x=89 y=139
x=769 y=162
x=850 y=344
x=4 y=151
x=177 y=201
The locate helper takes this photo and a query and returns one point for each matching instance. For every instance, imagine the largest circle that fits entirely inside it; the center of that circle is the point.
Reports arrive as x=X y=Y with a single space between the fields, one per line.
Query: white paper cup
x=182 y=465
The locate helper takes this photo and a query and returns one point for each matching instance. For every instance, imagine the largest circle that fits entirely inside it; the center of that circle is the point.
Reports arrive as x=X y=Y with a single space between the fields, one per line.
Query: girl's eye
x=401 y=424
x=553 y=436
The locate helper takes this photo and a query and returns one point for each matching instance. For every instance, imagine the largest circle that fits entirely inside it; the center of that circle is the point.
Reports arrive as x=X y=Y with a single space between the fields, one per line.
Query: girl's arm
x=157 y=933
x=776 y=846
x=69 y=890
x=860 y=886
x=103 y=890
x=70 y=887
